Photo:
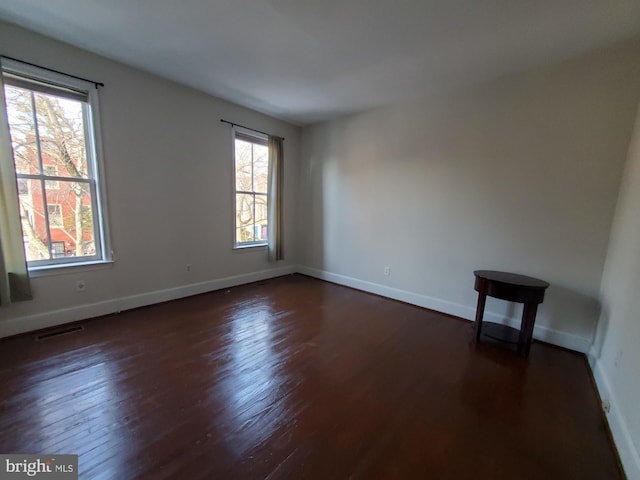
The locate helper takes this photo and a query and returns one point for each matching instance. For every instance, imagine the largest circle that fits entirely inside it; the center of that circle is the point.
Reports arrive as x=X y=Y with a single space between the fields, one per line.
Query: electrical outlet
x=387 y=271
x=80 y=286
x=187 y=268
x=606 y=406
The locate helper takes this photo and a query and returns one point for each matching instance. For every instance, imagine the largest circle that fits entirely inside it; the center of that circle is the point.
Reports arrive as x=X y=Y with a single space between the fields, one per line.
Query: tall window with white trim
x=52 y=123
x=251 y=189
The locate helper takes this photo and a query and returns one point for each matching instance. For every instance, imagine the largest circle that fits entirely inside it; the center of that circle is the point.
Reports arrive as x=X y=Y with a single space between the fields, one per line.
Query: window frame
x=262 y=139
x=95 y=165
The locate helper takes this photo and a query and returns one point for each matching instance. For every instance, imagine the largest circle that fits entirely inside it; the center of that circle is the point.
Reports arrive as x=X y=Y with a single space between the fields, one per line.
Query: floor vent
x=60 y=331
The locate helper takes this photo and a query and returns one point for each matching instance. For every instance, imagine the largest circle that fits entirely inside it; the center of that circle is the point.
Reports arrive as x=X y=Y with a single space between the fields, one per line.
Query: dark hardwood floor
x=298 y=378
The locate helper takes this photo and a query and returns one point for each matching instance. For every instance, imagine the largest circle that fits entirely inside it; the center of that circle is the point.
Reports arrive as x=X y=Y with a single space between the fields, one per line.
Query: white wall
x=168 y=163
x=519 y=174
x=616 y=351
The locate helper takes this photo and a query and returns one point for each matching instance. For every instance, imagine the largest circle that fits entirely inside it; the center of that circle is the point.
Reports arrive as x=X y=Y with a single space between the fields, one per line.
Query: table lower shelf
x=500 y=333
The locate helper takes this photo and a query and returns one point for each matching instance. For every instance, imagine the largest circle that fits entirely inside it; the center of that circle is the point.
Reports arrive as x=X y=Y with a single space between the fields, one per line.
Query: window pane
x=61 y=130
x=260 y=168
x=72 y=222
x=260 y=229
x=243 y=166
x=34 y=227
x=22 y=129
x=244 y=218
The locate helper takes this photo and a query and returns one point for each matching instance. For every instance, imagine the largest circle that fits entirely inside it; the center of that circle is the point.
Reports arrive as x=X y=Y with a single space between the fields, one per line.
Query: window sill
x=49 y=270
x=245 y=248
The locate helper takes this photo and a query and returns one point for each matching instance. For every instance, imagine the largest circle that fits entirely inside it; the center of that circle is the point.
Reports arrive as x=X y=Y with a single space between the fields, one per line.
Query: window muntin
x=251 y=169
x=53 y=134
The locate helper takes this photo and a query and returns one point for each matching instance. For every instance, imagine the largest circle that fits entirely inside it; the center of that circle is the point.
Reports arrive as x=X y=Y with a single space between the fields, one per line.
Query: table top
x=511 y=279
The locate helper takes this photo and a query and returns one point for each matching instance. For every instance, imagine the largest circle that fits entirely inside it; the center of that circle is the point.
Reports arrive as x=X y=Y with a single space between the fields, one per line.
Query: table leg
x=477 y=326
x=526 y=329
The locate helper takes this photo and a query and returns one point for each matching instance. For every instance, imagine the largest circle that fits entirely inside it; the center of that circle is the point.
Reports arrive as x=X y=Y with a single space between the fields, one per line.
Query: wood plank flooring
x=296 y=378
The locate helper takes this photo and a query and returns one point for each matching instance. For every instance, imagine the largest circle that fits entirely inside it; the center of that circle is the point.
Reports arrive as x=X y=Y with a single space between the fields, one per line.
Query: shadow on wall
x=311 y=210
x=564 y=310
x=600 y=334
x=319 y=172
x=569 y=310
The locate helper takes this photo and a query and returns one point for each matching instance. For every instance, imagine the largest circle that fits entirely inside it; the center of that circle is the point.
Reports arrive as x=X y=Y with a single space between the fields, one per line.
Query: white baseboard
x=629 y=455
x=545 y=334
x=38 y=321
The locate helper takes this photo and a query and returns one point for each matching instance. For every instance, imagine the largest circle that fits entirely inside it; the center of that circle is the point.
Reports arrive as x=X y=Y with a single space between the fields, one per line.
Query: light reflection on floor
x=250 y=381
x=94 y=414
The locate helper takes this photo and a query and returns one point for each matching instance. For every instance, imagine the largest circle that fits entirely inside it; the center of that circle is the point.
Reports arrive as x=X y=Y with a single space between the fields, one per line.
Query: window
x=52 y=123
x=51 y=171
x=57 y=249
x=251 y=179
x=55 y=216
x=23 y=186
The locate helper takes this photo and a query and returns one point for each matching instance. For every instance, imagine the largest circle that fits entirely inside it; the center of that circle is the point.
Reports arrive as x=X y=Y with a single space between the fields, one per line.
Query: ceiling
x=310 y=60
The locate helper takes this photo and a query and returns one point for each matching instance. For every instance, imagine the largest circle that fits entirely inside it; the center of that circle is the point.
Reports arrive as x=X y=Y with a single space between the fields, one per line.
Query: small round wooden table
x=512 y=288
